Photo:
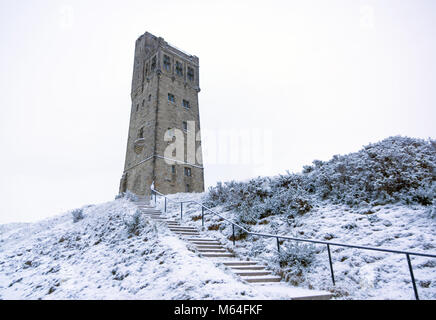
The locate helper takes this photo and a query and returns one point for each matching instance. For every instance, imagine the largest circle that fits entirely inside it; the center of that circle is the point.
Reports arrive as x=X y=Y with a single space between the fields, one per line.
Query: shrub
x=134 y=224
x=77 y=215
x=128 y=195
x=296 y=254
x=432 y=211
x=393 y=170
x=293 y=259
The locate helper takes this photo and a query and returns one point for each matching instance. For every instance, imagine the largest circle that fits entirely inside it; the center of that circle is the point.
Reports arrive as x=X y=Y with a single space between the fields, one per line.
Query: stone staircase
x=209 y=248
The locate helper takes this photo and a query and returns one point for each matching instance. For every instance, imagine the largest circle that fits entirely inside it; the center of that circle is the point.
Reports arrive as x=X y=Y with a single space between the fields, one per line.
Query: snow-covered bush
x=128 y=195
x=397 y=169
x=135 y=223
x=77 y=215
x=293 y=259
x=432 y=211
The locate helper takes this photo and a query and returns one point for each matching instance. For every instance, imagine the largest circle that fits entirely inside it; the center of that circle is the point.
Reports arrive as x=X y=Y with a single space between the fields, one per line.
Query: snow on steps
x=249 y=271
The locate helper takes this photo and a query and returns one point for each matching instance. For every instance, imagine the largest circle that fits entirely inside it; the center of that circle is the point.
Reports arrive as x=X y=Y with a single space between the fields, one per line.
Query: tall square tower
x=164 y=144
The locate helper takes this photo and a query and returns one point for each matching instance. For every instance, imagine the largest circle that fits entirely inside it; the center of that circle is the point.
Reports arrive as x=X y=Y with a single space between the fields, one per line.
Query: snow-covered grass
x=103 y=257
x=359 y=274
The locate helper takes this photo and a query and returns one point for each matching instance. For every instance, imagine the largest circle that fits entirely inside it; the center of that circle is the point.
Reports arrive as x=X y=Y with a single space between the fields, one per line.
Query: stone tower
x=164 y=145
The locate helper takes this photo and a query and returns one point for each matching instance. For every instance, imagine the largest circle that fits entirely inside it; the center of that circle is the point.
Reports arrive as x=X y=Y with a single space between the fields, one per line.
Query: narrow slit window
x=179 y=68
x=167 y=63
x=187 y=172
x=153 y=63
x=171 y=97
x=185 y=126
x=190 y=74
x=185 y=104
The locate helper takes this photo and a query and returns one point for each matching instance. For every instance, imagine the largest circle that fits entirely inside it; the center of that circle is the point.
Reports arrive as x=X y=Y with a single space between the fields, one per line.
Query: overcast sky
x=294 y=81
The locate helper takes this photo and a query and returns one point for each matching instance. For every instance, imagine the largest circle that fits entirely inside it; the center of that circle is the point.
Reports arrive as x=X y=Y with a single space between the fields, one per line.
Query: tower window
x=167 y=63
x=171 y=97
x=173 y=169
x=187 y=171
x=146 y=69
x=190 y=74
x=186 y=104
x=137 y=107
x=187 y=188
x=153 y=63
x=185 y=126
x=141 y=133
x=179 y=68
x=143 y=103
x=149 y=97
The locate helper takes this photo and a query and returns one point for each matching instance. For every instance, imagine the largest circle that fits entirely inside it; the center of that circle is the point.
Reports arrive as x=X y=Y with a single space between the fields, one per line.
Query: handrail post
x=278 y=244
x=165 y=204
x=233 y=229
x=181 y=210
x=155 y=201
x=331 y=264
x=412 y=276
x=202 y=216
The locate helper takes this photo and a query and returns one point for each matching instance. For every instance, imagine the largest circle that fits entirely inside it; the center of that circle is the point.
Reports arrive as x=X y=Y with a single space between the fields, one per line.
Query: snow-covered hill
x=381 y=196
x=99 y=258
x=359 y=274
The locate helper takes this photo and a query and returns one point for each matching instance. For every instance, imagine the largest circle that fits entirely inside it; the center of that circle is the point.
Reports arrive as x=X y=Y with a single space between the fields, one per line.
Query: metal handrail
x=278 y=237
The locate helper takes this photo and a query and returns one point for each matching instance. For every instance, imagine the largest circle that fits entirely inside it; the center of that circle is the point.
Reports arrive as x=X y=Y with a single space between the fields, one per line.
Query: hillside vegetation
x=395 y=170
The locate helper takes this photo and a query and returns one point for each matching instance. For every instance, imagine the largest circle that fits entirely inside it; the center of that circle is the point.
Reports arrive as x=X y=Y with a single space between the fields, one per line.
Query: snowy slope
x=359 y=274
x=97 y=258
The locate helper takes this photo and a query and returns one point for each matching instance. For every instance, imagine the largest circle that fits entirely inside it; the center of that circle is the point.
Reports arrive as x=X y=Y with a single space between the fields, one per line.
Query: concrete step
x=210 y=246
x=212 y=250
x=254 y=267
x=187 y=234
x=184 y=227
x=251 y=273
x=185 y=231
x=192 y=233
x=201 y=239
x=205 y=243
x=217 y=255
x=260 y=279
x=239 y=263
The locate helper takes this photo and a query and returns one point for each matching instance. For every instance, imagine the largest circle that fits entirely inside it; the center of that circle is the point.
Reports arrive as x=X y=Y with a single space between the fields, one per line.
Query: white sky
x=312 y=78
